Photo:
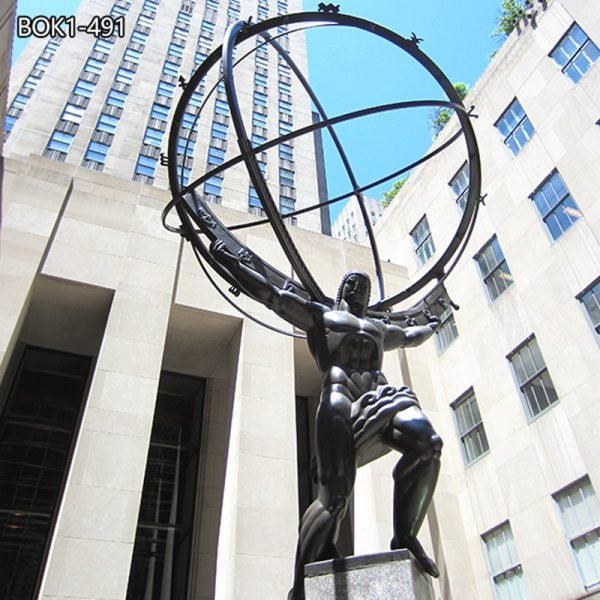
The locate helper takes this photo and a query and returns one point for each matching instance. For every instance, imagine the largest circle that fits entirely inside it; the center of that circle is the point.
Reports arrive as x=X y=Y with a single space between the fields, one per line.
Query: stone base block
x=394 y=575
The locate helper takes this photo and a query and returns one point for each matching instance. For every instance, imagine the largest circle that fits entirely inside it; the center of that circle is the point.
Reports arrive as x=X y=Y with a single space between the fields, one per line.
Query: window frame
x=563 y=201
x=478 y=428
x=427 y=241
x=510 y=136
x=447 y=322
x=532 y=378
x=516 y=569
x=460 y=198
x=571 y=60
x=489 y=276
x=591 y=289
x=582 y=534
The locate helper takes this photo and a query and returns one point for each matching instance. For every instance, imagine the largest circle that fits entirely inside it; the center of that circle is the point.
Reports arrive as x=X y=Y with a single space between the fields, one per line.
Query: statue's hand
x=432 y=320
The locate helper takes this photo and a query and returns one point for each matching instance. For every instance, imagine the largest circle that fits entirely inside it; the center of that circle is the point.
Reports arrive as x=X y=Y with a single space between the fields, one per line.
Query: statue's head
x=354 y=290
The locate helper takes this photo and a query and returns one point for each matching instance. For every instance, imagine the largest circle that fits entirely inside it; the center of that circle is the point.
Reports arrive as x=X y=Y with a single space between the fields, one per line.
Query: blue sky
x=350 y=69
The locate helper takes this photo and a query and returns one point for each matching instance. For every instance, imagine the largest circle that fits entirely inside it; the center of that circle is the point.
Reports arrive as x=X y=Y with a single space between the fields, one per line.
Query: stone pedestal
x=386 y=576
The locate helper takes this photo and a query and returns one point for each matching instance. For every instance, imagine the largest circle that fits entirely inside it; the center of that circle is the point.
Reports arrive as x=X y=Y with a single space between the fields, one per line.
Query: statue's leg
x=336 y=466
x=415 y=477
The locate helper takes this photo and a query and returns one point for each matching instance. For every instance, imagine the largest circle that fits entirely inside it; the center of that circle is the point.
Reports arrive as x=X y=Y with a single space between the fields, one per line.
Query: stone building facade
x=512 y=381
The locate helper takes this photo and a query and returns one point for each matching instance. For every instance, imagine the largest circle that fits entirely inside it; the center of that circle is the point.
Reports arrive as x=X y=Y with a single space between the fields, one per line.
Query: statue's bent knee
x=338 y=506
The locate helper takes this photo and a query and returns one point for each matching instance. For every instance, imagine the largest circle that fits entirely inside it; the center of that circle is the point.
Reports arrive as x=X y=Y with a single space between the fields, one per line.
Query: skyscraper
x=105 y=103
x=148 y=442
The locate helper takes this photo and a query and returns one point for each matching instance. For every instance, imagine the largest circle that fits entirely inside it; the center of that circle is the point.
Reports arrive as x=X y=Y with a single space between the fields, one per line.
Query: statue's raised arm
x=411 y=335
x=291 y=307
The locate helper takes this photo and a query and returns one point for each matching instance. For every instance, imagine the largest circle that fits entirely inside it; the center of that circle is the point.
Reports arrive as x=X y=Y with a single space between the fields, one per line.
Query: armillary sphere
x=201 y=227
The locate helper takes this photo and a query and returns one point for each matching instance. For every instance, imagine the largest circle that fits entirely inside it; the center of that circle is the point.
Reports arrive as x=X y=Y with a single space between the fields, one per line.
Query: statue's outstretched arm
x=289 y=306
x=411 y=336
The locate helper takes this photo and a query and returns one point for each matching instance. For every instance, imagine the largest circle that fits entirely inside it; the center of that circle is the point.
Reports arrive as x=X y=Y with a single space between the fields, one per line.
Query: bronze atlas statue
x=360 y=416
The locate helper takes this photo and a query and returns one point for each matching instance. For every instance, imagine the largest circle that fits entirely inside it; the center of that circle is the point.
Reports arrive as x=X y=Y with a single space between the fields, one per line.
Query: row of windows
x=575 y=53
x=147 y=161
x=557 y=209
x=497 y=278
x=536 y=389
x=30 y=84
x=108 y=121
x=579 y=512
x=61 y=139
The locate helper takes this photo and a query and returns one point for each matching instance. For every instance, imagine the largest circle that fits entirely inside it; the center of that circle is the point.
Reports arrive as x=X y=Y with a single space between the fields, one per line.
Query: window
x=286 y=177
x=460 y=186
x=165 y=89
x=447 y=332
x=31 y=82
x=97 y=152
x=575 y=53
x=590 y=298
x=159 y=112
x=515 y=128
x=19 y=101
x=219 y=130
x=9 y=123
x=503 y=564
x=138 y=37
x=132 y=56
x=196 y=97
x=175 y=50
x=259 y=120
x=422 y=241
x=253 y=199
x=473 y=440
x=145 y=165
x=216 y=156
x=286 y=204
x=284 y=128
x=257 y=140
x=124 y=75
x=72 y=113
x=107 y=123
x=185 y=146
x=103 y=46
x=533 y=377
x=116 y=98
x=260 y=99
x=153 y=137
x=93 y=66
x=494 y=270
x=260 y=79
x=188 y=120
x=285 y=107
x=221 y=107
x=580 y=514
x=213 y=186
x=555 y=205
x=286 y=152
x=60 y=141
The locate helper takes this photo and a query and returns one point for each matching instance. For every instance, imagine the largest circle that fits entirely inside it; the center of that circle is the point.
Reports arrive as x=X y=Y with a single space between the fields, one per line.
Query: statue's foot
x=412 y=543
x=295 y=594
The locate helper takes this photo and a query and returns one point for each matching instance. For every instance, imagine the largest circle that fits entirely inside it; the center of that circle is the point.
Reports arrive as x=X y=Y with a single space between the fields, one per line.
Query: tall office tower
x=349 y=224
x=512 y=381
x=106 y=103
x=154 y=441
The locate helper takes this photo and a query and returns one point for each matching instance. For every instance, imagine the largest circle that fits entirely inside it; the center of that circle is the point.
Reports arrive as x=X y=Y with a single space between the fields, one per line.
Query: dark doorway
x=161 y=555
x=38 y=427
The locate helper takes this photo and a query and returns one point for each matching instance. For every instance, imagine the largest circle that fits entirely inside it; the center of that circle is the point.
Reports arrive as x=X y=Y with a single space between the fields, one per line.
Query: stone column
x=93 y=539
x=259 y=518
